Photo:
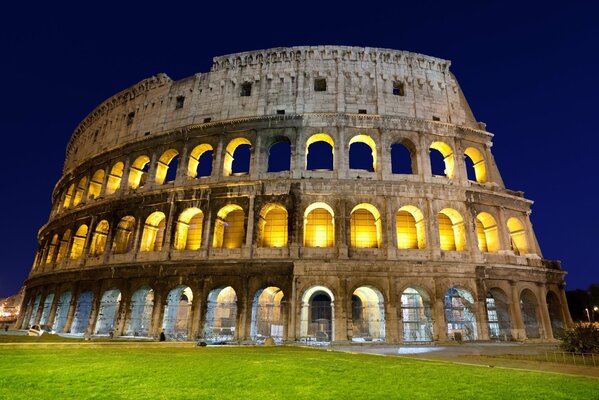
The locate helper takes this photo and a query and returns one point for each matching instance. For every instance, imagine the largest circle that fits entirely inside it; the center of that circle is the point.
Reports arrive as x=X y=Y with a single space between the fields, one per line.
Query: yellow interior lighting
x=231 y=147
x=163 y=164
x=153 y=234
x=273 y=225
x=188 y=234
x=114 y=178
x=319 y=227
x=517 y=236
x=137 y=176
x=123 y=235
x=448 y=158
x=367 y=140
x=487 y=233
x=194 y=159
x=480 y=169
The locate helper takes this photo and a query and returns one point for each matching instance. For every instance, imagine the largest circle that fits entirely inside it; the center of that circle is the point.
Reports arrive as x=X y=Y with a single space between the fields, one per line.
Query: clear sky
x=528 y=70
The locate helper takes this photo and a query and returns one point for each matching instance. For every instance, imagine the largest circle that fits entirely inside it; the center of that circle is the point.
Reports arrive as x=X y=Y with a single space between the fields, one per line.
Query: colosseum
x=312 y=194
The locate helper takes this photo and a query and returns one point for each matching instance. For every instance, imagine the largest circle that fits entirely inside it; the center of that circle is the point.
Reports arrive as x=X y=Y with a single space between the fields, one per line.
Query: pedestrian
x=162 y=337
x=6 y=328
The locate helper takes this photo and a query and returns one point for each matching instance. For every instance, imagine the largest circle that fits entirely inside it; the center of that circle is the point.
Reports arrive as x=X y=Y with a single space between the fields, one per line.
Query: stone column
x=439 y=324
x=72 y=308
x=88 y=239
x=518 y=331
x=544 y=311
x=151 y=178
x=183 y=165
x=52 y=314
x=196 y=310
x=104 y=181
x=157 y=312
x=125 y=178
x=565 y=310
x=93 y=315
x=168 y=230
x=341 y=159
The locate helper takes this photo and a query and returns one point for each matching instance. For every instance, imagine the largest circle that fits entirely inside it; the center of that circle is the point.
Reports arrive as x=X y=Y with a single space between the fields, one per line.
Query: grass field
x=153 y=371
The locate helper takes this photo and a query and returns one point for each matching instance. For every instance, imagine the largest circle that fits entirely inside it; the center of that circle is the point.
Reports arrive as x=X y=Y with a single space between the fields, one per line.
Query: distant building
x=10 y=307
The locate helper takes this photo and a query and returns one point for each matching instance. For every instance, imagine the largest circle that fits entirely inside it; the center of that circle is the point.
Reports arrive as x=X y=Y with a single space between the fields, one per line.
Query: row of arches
x=319 y=153
x=270 y=314
x=365 y=226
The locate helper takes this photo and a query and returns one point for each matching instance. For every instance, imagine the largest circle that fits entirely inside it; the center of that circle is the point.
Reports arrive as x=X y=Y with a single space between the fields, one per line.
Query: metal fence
x=583 y=359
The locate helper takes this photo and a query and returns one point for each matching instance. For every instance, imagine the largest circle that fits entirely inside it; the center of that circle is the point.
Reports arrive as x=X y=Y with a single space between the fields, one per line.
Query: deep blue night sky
x=528 y=71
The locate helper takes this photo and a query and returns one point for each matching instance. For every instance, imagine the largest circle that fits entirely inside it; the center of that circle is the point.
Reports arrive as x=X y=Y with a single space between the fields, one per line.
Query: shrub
x=581 y=338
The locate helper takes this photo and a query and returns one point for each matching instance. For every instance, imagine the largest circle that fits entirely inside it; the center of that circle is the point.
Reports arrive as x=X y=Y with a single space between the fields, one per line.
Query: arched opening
x=319 y=226
x=52 y=249
x=555 y=314
x=200 y=161
x=530 y=314
x=46 y=308
x=475 y=165
x=279 y=156
x=153 y=234
x=362 y=153
x=368 y=315
x=403 y=159
x=229 y=228
x=95 y=185
x=62 y=311
x=518 y=240
x=320 y=152
x=452 y=236
x=188 y=233
x=98 y=243
x=108 y=312
x=317 y=315
x=138 y=173
x=68 y=196
x=416 y=316
x=410 y=228
x=365 y=225
x=123 y=236
x=166 y=167
x=498 y=315
x=268 y=309
x=237 y=157
x=487 y=233
x=221 y=315
x=140 y=315
x=273 y=226
x=64 y=246
x=114 y=178
x=78 y=242
x=34 y=308
x=460 y=315
x=82 y=311
x=177 y=313
x=80 y=191
x=442 y=160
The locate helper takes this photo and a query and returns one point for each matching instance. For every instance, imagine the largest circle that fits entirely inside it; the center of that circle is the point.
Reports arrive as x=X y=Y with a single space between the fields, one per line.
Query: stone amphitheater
x=312 y=194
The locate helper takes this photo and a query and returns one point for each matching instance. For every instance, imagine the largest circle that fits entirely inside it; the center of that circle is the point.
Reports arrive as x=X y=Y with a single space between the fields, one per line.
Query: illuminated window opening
x=108 y=312
x=114 y=178
x=221 y=314
x=123 y=237
x=68 y=196
x=448 y=165
x=416 y=316
x=188 y=233
x=82 y=312
x=153 y=234
x=362 y=153
x=477 y=170
x=267 y=314
x=229 y=228
x=138 y=174
x=64 y=246
x=98 y=243
x=78 y=242
x=279 y=156
x=460 y=314
x=142 y=305
x=410 y=228
x=498 y=315
x=52 y=249
x=365 y=226
x=273 y=226
x=200 y=161
x=177 y=313
x=166 y=167
x=518 y=240
x=319 y=226
x=242 y=165
x=320 y=152
x=95 y=185
x=317 y=316
x=80 y=190
x=368 y=315
x=487 y=233
x=452 y=236
x=530 y=314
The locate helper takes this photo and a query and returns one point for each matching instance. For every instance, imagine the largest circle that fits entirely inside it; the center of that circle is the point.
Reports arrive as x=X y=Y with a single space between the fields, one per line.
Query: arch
x=478 y=169
x=68 y=196
x=554 y=306
x=279 y=155
x=177 y=313
x=200 y=161
x=268 y=309
x=232 y=147
x=318 y=314
x=452 y=235
x=153 y=234
x=34 y=309
x=273 y=226
x=98 y=243
x=108 y=312
x=52 y=249
x=95 y=185
x=359 y=156
x=138 y=173
x=62 y=311
x=83 y=310
x=498 y=315
x=188 y=233
x=321 y=157
x=63 y=248
x=115 y=177
x=410 y=228
x=403 y=158
x=140 y=312
x=529 y=307
x=78 y=242
x=518 y=240
x=365 y=224
x=448 y=160
x=368 y=315
x=229 y=228
x=487 y=233
x=123 y=237
x=166 y=167
x=416 y=315
x=319 y=225
x=460 y=314
x=80 y=190
x=221 y=315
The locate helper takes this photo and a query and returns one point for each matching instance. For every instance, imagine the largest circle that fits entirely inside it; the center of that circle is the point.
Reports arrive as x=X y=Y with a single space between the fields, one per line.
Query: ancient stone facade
x=159 y=222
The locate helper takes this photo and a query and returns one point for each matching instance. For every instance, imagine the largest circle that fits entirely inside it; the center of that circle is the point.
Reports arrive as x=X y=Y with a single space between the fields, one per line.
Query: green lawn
x=151 y=371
